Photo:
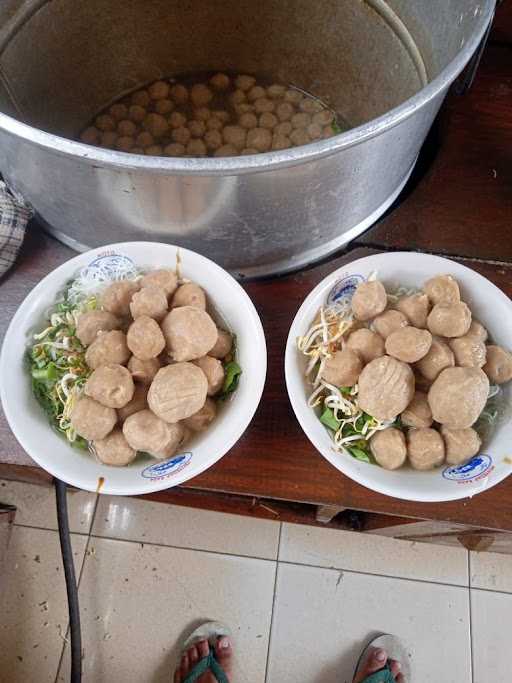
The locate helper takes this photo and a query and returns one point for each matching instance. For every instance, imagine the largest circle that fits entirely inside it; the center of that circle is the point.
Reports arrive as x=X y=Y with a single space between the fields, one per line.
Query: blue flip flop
x=395 y=650
x=210 y=631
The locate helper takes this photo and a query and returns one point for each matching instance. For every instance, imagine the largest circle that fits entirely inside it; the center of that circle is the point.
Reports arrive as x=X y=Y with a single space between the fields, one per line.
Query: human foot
x=223 y=654
x=375 y=661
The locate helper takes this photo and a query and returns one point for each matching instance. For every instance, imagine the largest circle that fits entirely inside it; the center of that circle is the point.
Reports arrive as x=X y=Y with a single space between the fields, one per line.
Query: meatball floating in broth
x=386 y=387
x=108 y=347
x=110 y=385
x=409 y=344
x=92 y=420
x=369 y=300
x=92 y=322
x=178 y=391
x=425 y=448
x=389 y=448
x=458 y=396
x=367 y=344
x=343 y=368
x=415 y=308
x=388 y=322
x=114 y=449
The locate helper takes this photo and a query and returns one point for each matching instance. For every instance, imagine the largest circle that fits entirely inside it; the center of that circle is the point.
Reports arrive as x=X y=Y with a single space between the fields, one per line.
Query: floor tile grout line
x=46 y=528
x=82 y=566
x=182 y=547
x=273 y=601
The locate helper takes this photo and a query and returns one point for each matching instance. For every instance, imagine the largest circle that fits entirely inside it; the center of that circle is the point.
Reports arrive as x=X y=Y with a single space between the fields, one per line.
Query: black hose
x=71 y=587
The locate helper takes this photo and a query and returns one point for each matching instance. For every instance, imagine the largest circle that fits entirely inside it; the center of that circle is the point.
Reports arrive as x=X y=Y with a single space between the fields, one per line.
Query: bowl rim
x=241 y=420
x=294 y=381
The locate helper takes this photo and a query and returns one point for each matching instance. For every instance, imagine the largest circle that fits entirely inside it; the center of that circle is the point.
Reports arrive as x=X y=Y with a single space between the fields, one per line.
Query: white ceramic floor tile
x=373 y=554
x=138 y=601
x=33 y=605
x=323 y=617
x=492 y=571
x=142 y=520
x=36 y=506
x=491 y=627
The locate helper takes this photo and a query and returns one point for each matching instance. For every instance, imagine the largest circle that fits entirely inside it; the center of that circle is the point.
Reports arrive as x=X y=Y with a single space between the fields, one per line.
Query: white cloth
x=14 y=216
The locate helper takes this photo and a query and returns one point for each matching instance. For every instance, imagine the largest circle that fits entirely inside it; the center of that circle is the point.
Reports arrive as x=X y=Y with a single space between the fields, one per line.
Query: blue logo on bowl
x=167 y=468
x=344 y=288
x=109 y=267
x=477 y=467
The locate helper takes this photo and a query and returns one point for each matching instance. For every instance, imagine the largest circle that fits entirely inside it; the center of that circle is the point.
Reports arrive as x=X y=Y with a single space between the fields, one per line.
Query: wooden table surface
x=460 y=207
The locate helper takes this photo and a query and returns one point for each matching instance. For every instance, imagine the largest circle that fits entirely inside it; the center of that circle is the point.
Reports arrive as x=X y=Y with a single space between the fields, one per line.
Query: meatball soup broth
x=439 y=334
x=164 y=362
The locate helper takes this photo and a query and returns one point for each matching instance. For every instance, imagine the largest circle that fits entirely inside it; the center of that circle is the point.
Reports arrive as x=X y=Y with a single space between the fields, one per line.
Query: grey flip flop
x=210 y=631
x=395 y=650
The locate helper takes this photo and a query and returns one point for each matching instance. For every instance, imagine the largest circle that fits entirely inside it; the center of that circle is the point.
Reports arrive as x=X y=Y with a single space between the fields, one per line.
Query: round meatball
x=146 y=432
x=145 y=338
x=220 y=82
x=154 y=151
x=449 y=320
x=388 y=322
x=458 y=396
x=125 y=143
x=409 y=344
x=91 y=420
x=498 y=366
x=111 y=385
x=159 y=90
x=439 y=357
x=222 y=346
x=179 y=93
x=139 y=402
x=178 y=391
x=189 y=333
x=149 y=301
x=469 y=351
x=386 y=387
x=214 y=372
x=425 y=449
x=248 y=120
x=137 y=113
x=284 y=112
x=460 y=444
x=200 y=95
x=105 y=122
x=197 y=128
x=107 y=348
x=255 y=93
x=442 y=289
x=177 y=120
x=260 y=139
x=141 y=98
x=367 y=344
x=477 y=330
x=343 y=368
x=203 y=418
x=213 y=140
x=163 y=279
x=418 y=413
x=92 y=322
x=415 y=308
x=235 y=135
x=226 y=151
x=389 y=449
x=263 y=104
x=244 y=82
x=116 y=298
x=145 y=140
x=114 y=450
x=156 y=124
x=276 y=91
x=189 y=294
x=369 y=300
x=90 y=136
x=164 y=106
x=143 y=371
x=126 y=128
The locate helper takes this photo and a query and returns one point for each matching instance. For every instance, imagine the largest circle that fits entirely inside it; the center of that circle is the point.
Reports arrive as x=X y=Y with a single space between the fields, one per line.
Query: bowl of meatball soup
x=399 y=368
x=132 y=368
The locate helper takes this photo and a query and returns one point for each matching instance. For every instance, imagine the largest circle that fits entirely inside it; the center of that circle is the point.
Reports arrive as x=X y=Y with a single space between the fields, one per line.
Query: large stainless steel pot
x=386 y=66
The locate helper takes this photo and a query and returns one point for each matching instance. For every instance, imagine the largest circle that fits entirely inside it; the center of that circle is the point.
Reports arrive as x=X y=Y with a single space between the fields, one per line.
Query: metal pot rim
x=266 y=161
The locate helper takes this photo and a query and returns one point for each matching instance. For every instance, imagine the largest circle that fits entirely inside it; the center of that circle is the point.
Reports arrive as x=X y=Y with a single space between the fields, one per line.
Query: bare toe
x=224 y=654
x=203 y=649
x=395 y=667
x=400 y=678
x=184 y=665
x=376 y=660
x=193 y=656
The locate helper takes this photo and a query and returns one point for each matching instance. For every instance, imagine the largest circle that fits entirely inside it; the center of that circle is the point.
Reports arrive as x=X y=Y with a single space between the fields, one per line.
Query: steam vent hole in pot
x=214 y=114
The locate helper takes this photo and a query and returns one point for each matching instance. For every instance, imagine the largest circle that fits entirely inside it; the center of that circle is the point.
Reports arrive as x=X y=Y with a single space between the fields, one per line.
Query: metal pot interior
x=66 y=60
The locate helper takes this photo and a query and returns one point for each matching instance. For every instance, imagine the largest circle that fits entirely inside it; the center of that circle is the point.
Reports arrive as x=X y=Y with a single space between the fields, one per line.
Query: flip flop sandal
x=210 y=631
x=395 y=650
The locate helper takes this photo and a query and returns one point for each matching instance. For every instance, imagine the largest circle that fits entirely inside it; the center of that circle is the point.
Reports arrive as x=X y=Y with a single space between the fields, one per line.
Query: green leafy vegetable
x=231 y=379
x=359 y=454
x=327 y=418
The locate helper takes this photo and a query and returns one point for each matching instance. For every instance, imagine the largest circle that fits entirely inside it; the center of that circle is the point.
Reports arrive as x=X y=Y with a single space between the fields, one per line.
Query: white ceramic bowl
x=488 y=304
x=30 y=425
